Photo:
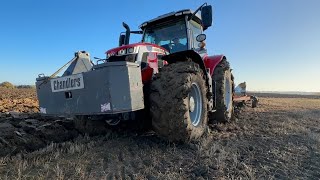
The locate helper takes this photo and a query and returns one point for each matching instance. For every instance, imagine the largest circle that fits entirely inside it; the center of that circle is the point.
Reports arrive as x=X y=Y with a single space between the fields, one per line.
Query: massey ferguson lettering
x=67 y=83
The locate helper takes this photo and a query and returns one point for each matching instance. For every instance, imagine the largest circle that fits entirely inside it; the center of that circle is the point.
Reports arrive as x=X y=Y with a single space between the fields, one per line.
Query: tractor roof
x=170 y=16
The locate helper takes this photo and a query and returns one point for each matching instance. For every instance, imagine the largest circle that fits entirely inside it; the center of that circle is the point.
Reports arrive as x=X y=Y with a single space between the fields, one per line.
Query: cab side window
x=196 y=29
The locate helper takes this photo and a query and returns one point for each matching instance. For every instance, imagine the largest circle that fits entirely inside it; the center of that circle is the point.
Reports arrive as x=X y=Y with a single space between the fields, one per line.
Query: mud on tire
x=224 y=93
x=170 y=101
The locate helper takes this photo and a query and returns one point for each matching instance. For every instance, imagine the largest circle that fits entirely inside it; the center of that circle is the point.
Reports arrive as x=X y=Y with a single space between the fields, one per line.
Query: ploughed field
x=280 y=139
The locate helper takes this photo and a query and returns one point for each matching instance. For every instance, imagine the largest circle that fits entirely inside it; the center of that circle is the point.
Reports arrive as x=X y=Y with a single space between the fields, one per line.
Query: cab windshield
x=172 y=37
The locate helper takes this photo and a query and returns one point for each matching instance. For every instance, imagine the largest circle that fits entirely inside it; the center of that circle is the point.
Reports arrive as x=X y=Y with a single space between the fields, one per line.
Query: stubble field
x=280 y=139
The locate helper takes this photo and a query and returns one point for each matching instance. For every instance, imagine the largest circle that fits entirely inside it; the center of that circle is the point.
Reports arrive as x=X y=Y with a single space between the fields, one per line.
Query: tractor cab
x=172 y=33
x=178 y=31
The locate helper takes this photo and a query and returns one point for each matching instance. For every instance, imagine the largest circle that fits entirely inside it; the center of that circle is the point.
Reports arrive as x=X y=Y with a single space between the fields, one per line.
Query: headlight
x=130 y=50
x=122 y=52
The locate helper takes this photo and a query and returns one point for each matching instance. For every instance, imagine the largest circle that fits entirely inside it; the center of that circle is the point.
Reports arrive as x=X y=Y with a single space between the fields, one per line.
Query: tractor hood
x=134 y=49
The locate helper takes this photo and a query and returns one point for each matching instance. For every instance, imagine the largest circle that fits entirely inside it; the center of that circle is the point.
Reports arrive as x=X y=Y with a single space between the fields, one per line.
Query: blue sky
x=271 y=44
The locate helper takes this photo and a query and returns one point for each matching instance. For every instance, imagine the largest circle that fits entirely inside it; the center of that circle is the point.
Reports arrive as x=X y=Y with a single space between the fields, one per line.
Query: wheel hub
x=191 y=104
x=195 y=104
x=228 y=96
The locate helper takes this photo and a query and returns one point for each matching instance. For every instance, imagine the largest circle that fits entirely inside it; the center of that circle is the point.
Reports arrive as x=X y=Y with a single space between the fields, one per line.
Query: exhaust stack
x=127 y=37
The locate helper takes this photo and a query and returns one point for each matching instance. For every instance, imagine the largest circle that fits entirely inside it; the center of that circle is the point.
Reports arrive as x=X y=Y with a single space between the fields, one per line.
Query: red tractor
x=168 y=74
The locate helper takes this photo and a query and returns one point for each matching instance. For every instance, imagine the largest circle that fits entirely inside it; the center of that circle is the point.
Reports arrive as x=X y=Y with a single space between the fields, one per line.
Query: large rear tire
x=224 y=93
x=178 y=102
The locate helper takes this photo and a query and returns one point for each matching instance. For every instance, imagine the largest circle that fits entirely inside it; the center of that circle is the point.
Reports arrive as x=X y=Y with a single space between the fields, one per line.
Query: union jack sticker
x=105 y=107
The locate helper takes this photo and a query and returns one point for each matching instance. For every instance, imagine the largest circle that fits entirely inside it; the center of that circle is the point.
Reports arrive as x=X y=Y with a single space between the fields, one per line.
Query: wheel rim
x=195 y=104
x=228 y=96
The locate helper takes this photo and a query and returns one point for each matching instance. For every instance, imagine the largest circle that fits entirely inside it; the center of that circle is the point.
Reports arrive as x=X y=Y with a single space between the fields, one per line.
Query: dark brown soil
x=18 y=100
x=274 y=95
x=23 y=129
x=280 y=139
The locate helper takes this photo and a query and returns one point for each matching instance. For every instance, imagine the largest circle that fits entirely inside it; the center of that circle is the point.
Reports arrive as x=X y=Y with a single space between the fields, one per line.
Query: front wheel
x=179 y=103
x=224 y=92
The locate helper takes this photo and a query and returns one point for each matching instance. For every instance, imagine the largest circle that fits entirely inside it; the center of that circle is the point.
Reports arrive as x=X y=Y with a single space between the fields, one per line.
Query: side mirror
x=122 y=39
x=206 y=16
